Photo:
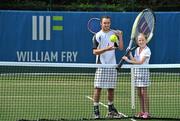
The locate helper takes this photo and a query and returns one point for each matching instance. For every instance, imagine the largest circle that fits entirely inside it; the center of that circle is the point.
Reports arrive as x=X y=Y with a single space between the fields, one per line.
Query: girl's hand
x=125 y=58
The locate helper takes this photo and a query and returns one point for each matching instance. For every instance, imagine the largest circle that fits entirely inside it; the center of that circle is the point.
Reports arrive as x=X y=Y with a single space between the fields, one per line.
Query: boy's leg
x=96 y=98
x=112 y=111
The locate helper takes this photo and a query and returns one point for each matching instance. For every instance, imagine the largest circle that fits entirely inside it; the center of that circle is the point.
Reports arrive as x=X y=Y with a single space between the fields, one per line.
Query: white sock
x=110 y=103
x=96 y=104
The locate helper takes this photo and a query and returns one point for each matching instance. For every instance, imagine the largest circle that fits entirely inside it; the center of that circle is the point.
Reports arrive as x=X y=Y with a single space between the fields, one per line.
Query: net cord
x=86 y=65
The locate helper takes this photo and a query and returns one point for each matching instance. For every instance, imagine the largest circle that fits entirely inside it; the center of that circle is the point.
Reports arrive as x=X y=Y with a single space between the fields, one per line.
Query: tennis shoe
x=96 y=116
x=143 y=115
x=146 y=115
x=114 y=114
x=139 y=115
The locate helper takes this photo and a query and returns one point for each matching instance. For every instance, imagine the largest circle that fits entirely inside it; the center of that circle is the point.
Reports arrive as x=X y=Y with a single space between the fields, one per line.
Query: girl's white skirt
x=141 y=77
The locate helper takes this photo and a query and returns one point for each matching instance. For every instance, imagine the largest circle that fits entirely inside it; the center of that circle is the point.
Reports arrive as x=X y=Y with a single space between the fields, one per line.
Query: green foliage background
x=91 y=5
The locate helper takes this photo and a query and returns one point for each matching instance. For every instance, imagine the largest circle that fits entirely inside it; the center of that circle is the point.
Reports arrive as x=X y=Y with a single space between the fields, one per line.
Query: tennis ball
x=113 y=38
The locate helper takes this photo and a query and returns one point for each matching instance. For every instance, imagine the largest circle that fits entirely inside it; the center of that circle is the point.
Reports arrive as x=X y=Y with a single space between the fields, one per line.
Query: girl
x=141 y=75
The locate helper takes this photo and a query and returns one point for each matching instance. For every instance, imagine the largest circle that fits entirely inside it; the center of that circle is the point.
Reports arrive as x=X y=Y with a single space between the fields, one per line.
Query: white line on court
x=107 y=107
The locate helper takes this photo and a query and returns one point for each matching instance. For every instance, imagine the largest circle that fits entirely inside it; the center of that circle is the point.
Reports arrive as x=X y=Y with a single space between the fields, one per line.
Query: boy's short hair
x=107 y=17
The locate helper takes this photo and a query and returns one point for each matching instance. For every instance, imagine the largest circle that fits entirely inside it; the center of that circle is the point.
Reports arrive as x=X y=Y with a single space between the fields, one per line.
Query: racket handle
x=120 y=64
x=132 y=49
x=122 y=60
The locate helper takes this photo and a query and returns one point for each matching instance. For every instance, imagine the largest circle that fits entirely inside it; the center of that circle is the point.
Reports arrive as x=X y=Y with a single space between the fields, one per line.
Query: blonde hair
x=141 y=34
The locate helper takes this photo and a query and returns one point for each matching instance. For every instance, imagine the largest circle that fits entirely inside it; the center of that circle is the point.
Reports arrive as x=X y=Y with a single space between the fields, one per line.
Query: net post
x=132 y=91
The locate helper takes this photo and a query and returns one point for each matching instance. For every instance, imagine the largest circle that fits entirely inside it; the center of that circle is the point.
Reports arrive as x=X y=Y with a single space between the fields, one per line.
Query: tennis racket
x=144 y=23
x=93 y=25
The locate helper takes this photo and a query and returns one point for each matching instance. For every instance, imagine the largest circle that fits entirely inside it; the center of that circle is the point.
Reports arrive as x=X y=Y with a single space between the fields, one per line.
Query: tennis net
x=64 y=91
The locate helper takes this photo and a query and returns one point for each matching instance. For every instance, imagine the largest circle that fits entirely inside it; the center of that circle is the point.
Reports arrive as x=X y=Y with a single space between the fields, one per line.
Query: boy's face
x=105 y=24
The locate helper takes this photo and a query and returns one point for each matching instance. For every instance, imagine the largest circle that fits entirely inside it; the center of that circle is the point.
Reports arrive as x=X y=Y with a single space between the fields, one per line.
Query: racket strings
x=146 y=24
x=150 y=19
x=94 y=25
x=150 y=23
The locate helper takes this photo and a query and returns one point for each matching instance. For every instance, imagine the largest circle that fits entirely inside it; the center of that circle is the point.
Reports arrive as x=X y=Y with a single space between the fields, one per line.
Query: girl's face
x=105 y=24
x=141 y=41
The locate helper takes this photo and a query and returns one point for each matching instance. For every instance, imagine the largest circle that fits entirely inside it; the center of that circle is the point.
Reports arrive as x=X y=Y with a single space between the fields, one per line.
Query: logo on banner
x=41 y=27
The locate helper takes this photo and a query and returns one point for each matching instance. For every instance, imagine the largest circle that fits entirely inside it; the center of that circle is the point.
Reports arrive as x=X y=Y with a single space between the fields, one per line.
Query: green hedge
x=85 y=5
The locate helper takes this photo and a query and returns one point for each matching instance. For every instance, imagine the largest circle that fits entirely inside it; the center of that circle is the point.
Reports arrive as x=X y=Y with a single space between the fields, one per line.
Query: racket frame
x=88 y=24
x=133 y=36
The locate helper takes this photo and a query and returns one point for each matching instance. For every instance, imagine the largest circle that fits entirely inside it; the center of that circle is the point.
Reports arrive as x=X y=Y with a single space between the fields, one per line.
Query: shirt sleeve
x=147 y=53
x=135 y=53
x=95 y=43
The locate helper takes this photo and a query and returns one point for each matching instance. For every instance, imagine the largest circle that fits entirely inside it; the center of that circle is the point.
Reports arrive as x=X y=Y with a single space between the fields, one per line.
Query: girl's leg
x=145 y=102
x=146 y=99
